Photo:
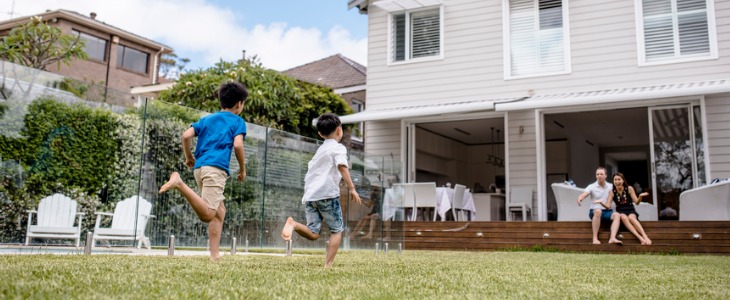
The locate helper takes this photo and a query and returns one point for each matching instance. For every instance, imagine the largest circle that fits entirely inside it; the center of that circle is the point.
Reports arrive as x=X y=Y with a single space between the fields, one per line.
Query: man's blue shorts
x=605 y=214
x=327 y=210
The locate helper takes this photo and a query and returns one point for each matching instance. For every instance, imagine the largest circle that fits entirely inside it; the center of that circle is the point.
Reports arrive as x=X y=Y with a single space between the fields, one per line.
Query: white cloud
x=206 y=33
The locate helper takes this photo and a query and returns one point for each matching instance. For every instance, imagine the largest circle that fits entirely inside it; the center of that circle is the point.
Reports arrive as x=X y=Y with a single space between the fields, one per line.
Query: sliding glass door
x=677 y=156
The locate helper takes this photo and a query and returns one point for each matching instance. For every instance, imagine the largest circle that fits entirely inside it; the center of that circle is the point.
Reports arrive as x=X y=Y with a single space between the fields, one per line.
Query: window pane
x=93 y=46
x=425 y=34
x=656 y=7
x=658 y=38
x=399 y=35
x=523 y=38
x=120 y=55
x=133 y=60
x=689 y=5
x=551 y=14
x=693 y=35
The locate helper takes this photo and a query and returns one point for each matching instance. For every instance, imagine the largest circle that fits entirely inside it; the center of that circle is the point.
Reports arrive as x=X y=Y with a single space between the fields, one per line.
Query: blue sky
x=282 y=33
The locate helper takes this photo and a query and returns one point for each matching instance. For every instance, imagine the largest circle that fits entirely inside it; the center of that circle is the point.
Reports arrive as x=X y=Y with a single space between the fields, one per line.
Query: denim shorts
x=605 y=214
x=328 y=210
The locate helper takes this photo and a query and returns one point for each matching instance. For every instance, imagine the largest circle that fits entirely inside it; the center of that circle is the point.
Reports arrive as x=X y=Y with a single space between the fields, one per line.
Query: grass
x=362 y=275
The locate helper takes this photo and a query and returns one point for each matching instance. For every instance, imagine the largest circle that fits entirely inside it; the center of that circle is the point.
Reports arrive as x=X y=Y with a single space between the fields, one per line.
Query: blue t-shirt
x=215 y=139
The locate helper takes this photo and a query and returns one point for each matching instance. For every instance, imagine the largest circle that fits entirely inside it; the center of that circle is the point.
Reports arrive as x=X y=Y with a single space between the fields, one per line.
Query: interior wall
x=584 y=163
x=479 y=170
x=443 y=160
x=439 y=159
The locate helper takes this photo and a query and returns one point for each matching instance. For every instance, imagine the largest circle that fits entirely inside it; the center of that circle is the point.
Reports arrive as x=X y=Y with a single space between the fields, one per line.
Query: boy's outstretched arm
x=187 y=137
x=350 y=186
x=240 y=155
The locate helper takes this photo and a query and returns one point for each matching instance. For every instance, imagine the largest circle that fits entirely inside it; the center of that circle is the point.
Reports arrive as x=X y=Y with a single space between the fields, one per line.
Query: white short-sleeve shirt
x=597 y=192
x=323 y=178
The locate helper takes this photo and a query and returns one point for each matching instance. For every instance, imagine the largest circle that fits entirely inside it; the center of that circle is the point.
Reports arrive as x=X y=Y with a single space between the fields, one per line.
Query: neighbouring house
x=526 y=93
x=346 y=78
x=118 y=59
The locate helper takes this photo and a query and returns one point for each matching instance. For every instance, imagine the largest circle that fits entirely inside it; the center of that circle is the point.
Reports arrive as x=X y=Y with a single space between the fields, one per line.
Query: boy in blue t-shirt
x=217 y=134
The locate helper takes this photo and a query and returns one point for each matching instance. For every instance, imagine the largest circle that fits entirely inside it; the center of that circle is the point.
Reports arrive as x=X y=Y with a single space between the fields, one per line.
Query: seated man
x=601 y=207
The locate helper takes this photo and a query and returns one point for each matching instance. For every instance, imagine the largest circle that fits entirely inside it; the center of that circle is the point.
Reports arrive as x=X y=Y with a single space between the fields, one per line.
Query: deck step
x=687 y=237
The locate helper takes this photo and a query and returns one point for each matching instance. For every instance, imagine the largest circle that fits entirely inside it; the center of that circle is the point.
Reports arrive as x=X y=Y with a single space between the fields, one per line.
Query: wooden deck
x=673 y=237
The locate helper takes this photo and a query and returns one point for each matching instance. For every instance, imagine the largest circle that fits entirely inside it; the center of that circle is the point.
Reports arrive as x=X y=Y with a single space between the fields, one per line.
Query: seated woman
x=621 y=194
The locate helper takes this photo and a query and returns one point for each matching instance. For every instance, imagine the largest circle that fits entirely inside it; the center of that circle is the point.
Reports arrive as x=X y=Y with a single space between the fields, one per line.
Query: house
x=345 y=77
x=117 y=59
x=525 y=93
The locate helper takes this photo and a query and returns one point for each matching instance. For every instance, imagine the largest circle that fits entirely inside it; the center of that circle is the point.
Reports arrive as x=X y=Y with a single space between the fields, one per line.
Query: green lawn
x=362 y=275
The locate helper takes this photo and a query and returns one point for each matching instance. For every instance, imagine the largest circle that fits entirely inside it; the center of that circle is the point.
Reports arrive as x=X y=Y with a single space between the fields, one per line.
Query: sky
x=282 y=33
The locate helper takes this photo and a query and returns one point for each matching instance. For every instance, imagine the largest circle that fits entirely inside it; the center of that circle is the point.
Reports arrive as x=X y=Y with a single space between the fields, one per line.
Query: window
x=93 y=46
x=537 y=38
x=675 y=30
x=131 y=59
x=415 y=35
x=357 y=131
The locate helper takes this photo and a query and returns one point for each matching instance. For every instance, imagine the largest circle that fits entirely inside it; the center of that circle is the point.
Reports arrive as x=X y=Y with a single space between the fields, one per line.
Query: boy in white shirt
x=321 y=188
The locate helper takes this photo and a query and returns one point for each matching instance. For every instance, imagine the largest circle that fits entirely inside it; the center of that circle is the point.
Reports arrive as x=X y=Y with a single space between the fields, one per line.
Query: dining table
x=393 y=201
x=444 y=198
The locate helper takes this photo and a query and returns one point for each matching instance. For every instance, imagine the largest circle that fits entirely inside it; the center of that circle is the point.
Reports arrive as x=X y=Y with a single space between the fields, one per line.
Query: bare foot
x=367 y=237
x=596 y=242
x=648 y=241
x=288 y=229
x=172 y=183
x=615 y=241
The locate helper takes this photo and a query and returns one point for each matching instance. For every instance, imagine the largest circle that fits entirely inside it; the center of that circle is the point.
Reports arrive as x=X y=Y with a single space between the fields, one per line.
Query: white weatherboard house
x=524 y=93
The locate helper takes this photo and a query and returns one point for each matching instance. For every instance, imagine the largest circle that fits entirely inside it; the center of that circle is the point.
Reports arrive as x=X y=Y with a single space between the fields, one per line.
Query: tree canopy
x=275 y=99
x=37 y=44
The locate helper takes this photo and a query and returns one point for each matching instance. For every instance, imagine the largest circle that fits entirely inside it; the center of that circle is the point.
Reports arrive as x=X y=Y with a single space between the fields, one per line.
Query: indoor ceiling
x=606 y=128
x=469 y=132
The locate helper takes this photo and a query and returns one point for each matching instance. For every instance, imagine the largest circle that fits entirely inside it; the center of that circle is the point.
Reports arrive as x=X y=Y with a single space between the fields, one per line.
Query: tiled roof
x=94 y=23
x=335 y=72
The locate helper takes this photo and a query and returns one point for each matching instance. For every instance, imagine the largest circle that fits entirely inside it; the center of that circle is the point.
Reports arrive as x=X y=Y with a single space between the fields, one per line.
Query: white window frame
x=507 y=41
x=641 y=50
x=391 y=46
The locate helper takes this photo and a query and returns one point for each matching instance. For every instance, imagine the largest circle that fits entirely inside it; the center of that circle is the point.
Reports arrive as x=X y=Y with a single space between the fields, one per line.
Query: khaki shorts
x=211 y=183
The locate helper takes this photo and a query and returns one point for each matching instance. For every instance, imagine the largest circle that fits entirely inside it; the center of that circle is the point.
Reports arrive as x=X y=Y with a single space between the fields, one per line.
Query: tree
x=275 y=100
x=171 y=66
x=37 y=44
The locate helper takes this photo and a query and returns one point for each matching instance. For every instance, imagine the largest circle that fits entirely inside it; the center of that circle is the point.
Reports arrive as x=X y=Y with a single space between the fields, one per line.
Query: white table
x=391 y=203
x=444 y=198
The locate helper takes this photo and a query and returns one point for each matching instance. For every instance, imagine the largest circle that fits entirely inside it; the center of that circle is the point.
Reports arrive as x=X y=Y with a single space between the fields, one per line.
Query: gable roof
x=92 y=23
x=335 y=72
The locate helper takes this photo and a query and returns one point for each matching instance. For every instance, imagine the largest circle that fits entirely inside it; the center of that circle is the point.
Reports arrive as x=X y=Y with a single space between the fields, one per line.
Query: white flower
x=188 y=83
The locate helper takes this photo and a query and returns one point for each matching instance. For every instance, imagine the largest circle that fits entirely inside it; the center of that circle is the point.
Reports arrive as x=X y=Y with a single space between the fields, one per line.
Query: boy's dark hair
x=230 y=93
x=327 y=123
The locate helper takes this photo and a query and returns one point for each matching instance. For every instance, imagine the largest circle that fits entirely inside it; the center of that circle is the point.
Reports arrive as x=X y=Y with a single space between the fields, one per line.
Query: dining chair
x=457 y=203
x=406 y=200
x=425 y=197
x=520 y=200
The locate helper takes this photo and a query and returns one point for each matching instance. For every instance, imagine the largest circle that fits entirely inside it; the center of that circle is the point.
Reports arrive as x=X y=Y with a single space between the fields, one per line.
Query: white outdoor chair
x=647 y=211
x=457 y=204
x=425 y=196
x=404 y=201
x=566 y=198
x=707 y=203
x=123 y=218
x=56 y=215
x=520 y=200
